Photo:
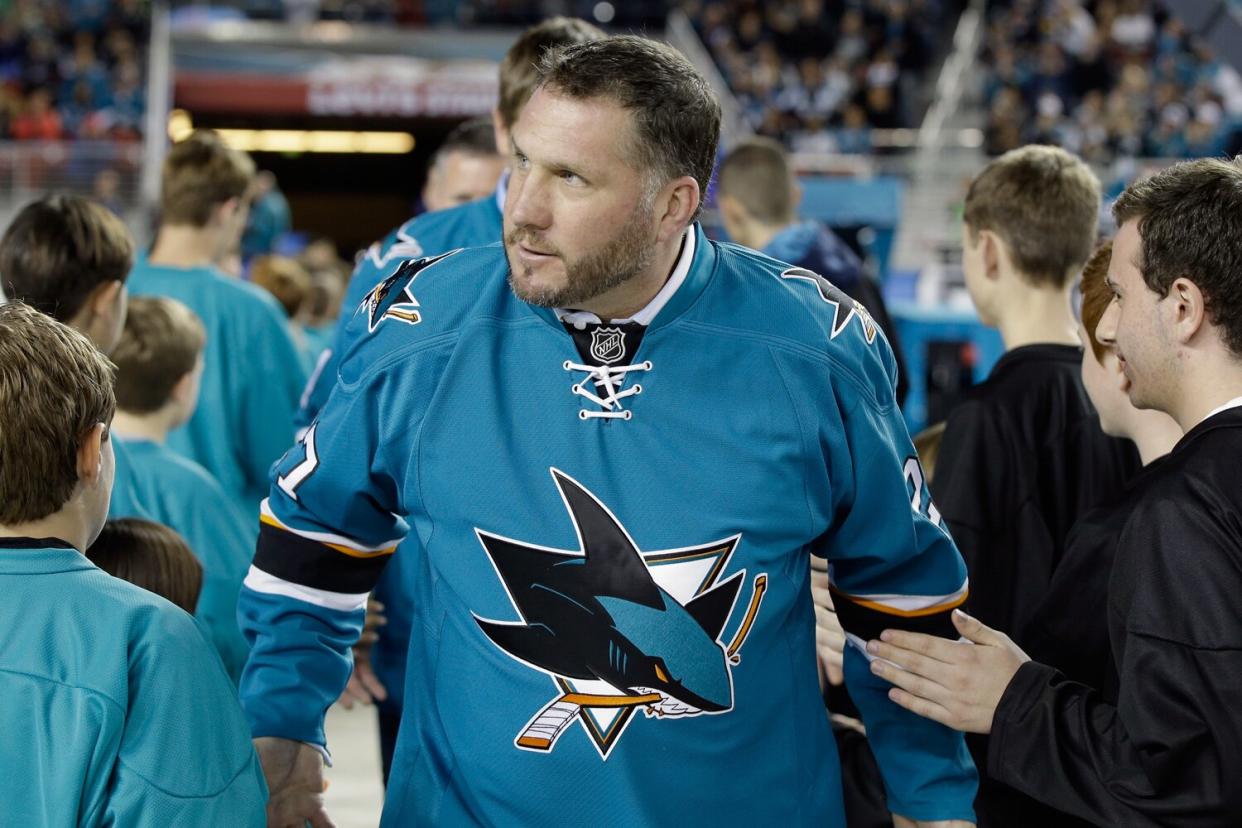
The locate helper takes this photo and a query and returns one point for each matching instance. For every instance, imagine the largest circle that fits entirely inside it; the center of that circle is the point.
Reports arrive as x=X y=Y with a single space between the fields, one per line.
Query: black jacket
x=1167 y=749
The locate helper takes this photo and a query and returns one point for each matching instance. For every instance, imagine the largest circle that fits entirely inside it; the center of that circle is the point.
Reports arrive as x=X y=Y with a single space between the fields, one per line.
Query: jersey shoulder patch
x=393 y=298
x=844 y=308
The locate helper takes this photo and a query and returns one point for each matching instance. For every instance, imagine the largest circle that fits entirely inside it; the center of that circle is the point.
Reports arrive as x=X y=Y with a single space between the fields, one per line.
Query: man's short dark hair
x=200 y=173
x=1190 y=224
x=676 y=114
x=472 y=137
x=756 y=172
x=1045 y=204
x=61 y=248
x=518 y=70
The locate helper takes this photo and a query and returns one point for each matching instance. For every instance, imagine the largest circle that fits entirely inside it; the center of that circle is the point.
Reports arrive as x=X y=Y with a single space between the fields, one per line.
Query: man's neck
x=66 y=525
x=1033 y=316
x=636 y=293
x=184 y=246
x=1154 y=433
x=1205 y=387
x=152 y=427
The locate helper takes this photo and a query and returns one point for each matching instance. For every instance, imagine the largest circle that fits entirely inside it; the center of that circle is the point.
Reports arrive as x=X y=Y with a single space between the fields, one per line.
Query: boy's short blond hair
x=55 y=386
x=1044 y=203
x=160 y=344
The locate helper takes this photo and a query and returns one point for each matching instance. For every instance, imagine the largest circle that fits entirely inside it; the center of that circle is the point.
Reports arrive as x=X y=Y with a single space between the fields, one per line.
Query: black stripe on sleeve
x=867 y=623
x=310 y=563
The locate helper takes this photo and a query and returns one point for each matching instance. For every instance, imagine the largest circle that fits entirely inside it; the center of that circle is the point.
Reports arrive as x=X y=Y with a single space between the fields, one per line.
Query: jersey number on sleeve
x=919 y=495
x=297 y=475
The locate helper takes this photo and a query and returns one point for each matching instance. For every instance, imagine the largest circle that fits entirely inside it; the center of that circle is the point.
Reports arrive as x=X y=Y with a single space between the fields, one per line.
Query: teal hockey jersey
x=252 y=377
x=607 y=548
x=154 y=482
x=115 y=711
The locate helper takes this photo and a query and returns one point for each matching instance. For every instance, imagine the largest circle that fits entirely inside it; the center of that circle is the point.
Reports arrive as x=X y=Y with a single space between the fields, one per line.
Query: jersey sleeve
x=892 y=564
x=327 y=529
x=185 y=756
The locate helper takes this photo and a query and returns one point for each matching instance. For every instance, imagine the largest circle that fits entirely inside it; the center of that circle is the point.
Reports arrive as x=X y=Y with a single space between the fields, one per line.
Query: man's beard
x=593 y=274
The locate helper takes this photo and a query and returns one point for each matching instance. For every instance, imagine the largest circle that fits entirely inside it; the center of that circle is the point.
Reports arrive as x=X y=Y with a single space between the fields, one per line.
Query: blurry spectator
x=159 y=363
x=269 y=217
x=1129 y=79
x=149 y=555
x=107 y=190
x=465 y=167
x=289 y=282
x=38 y=121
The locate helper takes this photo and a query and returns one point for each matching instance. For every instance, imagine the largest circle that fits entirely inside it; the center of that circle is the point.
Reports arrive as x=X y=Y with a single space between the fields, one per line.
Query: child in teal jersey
x=90 y=664
x=253 y=374
x=159 y=367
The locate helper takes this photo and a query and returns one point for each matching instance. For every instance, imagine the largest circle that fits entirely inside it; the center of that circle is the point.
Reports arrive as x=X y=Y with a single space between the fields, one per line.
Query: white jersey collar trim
x=1236 y=402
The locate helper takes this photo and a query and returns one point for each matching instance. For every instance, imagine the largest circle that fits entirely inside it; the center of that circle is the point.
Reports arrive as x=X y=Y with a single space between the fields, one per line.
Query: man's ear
x=90 y=454
x=105 y=298
x=992 y=253
x=676 y=205
x=1188 y=308
x=225 y=210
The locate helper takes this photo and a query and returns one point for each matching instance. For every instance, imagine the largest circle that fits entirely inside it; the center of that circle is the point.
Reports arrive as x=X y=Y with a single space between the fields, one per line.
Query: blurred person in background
x=290 y=285
x=269 y=217
x=252 y=370
x=758 y=199
x=69 y=257
x=149 y=555
x=159 y=363
x=1023 y=455
x=465 y=167
x=99 y=664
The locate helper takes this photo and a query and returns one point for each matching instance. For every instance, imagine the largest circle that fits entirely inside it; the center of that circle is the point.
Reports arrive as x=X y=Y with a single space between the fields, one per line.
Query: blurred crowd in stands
x=72 y=69
x=1105 y=79
x=821 y=74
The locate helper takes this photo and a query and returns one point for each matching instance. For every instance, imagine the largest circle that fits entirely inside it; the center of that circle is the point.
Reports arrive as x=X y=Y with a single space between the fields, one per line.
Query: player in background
x=600 y=527
x=1166 y=748
x=117 y=712
x=465 y=167
x=159 y=362
x=252 y=372
x=69 y=257
x=380 y=669
x=758 y=199
x=1023 y=456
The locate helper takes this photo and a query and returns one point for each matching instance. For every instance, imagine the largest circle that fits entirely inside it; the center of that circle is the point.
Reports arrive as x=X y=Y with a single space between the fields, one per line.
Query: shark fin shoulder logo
x=618 y=630
x=384 y=301
x=844 y=308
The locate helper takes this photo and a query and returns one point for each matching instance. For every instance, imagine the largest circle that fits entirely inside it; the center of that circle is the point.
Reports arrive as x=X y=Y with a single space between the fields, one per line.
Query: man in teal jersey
x=470 y=225
x=611 y=444
x=252 y=373
x=159 y=367
x=116 y=710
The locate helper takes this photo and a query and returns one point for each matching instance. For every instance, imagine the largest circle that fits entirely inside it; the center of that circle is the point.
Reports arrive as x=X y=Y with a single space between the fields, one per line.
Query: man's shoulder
x=425 y=302
x=473 y=224
x=799 y=311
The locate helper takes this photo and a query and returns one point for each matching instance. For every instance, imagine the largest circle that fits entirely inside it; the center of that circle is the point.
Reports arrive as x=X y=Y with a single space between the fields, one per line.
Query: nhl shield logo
x=608 y=344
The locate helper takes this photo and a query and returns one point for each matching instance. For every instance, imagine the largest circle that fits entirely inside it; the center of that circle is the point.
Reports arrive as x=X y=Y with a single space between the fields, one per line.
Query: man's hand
x=364 y=686
x=951 y=682
x=829 y=637
x=294 y=772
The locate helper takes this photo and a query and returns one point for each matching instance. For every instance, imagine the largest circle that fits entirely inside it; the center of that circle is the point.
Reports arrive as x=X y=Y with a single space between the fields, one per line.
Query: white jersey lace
x=607 y=393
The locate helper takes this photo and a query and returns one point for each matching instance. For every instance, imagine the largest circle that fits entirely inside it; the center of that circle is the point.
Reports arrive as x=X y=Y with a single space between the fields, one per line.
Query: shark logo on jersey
x=607 y=344
x=381 y=303
x=836 y=297
x=618 y=629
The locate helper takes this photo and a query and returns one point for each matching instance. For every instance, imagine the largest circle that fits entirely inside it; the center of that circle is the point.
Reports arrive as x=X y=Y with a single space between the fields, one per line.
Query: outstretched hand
x=956 y=683
x=295 y=783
